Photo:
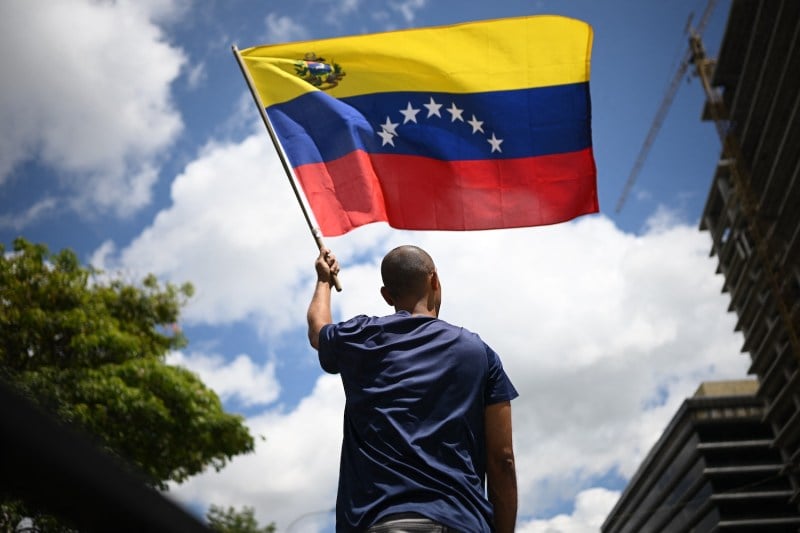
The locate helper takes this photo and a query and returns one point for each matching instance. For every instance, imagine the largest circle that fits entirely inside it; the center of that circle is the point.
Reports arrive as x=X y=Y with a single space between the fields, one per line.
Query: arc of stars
x=388 y=129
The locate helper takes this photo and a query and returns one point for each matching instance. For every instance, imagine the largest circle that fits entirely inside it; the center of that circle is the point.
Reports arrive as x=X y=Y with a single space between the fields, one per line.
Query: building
x=753 y=208
x=713 y=470
x=729 y=461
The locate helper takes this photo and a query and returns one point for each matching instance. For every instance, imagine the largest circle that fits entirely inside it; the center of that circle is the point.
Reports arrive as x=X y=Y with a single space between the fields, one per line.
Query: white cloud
x=89 y=96
x=382 y=14
x=240 y=378
x=604 y=333
x=408 y=8
x=18 y=221
x=196 y=75
x=342 y=10
x=591 y=508
x=281 y=29
x=662 y=219
x=291 y=478
x=340 y=13
x=236 y=232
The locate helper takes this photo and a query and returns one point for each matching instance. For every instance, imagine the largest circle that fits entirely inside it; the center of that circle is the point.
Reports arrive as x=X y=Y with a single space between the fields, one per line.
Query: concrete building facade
x=713 y=470
x=753 y=208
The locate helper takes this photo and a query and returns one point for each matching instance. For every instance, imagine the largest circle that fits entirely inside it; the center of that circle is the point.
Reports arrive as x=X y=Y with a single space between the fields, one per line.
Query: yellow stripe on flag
x=496 y=55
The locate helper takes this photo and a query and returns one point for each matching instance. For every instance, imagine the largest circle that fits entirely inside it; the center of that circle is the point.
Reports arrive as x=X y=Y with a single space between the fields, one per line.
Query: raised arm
x=319 y=310
x=500 y=470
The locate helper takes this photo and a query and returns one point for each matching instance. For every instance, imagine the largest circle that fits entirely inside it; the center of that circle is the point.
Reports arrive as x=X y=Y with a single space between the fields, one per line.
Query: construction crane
x=731 y=151
x=666 y=103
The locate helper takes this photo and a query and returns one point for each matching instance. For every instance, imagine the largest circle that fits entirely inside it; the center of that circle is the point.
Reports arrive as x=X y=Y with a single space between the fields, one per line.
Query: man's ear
x=387 y=296
x=434 y=281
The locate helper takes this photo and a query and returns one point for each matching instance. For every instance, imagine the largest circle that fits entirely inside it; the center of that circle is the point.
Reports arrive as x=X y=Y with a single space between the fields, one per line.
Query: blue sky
x=129 y=136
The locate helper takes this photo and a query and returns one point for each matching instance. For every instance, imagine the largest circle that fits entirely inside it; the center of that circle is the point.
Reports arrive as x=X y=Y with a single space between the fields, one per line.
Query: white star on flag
x=387 y=136
x=495 y=142
x=409 y=114
x=477 y=125
x=455 y=113
x=433 y=108
x=390 y=127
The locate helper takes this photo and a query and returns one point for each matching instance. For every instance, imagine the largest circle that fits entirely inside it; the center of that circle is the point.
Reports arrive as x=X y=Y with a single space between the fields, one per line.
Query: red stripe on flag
x=426 y=194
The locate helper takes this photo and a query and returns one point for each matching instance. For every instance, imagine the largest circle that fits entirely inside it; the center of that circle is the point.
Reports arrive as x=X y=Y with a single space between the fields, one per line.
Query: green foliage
x=232 y=521
x=92 y=351
x=12 y=512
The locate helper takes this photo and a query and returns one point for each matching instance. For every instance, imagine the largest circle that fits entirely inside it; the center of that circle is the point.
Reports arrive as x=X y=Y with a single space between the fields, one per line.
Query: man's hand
x=319 y=310
x=327 y=266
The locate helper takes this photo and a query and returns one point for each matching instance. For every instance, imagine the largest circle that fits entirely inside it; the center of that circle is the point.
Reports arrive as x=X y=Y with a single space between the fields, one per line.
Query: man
x=427 y=411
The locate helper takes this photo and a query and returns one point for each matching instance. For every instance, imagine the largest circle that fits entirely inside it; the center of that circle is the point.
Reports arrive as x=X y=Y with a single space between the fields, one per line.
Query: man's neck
x=419 y=309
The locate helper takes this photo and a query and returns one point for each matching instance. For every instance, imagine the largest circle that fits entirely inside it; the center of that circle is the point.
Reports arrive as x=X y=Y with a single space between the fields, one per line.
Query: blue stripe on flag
x=316 y=127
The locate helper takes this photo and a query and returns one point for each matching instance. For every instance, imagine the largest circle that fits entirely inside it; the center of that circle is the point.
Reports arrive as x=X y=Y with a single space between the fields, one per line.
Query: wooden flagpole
x=315 y=232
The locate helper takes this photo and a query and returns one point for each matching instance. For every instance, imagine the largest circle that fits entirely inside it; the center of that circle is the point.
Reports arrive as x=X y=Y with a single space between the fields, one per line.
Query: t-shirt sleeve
x=326 y=350
x=498 y=387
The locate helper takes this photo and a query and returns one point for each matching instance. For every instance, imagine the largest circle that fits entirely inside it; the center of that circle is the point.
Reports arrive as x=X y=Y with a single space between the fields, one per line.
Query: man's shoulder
x=403 y=322
x=464 y=332
x=357 y=323
x=399 y=317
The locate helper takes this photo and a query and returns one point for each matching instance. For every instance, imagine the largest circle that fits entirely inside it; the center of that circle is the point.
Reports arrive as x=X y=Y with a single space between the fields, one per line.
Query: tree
x=232 y=521
x=92 y=351
x=15 y=513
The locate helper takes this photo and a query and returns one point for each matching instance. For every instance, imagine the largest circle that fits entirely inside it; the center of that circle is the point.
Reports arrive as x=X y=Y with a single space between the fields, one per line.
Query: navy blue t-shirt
x=416 y=390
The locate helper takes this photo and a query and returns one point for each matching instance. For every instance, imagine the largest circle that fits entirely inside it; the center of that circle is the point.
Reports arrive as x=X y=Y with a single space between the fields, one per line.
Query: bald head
x=405 y=272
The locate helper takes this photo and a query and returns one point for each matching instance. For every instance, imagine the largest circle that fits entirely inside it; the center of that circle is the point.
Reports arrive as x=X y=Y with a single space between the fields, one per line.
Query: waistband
x=408 y=523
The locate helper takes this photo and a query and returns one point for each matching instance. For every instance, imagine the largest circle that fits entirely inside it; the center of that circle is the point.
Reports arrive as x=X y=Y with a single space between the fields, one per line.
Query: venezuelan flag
x=472 y=126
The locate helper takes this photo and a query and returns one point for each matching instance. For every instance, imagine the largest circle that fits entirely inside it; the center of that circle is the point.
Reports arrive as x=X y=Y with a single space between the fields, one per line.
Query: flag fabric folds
x=473 y=126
